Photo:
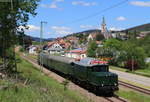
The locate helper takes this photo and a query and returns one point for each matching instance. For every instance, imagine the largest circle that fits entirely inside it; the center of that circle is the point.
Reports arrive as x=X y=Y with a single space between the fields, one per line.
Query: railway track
x=94 y=97
x=115 y=99
x=139 y=89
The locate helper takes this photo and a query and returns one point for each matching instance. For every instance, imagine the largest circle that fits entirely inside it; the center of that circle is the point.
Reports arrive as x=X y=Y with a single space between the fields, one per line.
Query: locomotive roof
x=84 y=62
x=59 y=58
x=87 y=62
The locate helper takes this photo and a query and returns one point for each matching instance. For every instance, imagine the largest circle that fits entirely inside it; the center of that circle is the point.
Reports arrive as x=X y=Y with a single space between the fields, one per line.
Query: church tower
x=103 y=26
x=104 y=30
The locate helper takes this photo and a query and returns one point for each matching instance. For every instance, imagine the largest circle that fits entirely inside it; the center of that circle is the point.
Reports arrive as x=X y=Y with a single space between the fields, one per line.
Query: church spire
x=104 y=30
x=103 y=26
x=103 y=22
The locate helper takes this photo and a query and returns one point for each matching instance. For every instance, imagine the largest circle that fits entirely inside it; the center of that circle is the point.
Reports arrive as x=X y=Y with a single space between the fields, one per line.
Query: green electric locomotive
x=96 y=75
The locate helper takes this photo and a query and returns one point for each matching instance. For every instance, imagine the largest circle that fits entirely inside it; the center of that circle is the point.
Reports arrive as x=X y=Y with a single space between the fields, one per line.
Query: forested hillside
x=144 y=27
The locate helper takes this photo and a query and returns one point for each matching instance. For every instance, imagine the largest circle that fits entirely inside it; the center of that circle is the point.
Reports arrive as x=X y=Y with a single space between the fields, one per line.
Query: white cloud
x=115 y=29
x=58 y=0
x=121 y=18
x=83 y=3
x=141 y=3
x=89 y=27
x=61 y=30
x=52 y=5
x=64 y=32
x=31 y=28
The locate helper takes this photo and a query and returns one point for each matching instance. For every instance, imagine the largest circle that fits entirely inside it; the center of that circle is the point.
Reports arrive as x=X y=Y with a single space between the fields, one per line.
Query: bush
x=21 y=50
x=132 y=65
x=91 y=51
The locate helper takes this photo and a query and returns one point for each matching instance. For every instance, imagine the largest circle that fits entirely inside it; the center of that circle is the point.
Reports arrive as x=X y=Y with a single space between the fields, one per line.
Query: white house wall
x=74 y=55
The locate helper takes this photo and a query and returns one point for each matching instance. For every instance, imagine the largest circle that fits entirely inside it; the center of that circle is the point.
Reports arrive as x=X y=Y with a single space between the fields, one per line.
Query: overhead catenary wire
x=97 y=13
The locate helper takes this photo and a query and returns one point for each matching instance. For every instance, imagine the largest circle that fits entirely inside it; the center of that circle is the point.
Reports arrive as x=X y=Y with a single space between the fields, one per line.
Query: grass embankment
x=30 y=55
x=144 y=72
x=132 y=96
x=35 y=87
x=33 y=56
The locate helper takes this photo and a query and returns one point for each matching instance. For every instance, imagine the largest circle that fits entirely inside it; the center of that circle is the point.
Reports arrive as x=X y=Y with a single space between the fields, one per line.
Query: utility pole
x=13 y=31
x=132 y=64
x=41 y=40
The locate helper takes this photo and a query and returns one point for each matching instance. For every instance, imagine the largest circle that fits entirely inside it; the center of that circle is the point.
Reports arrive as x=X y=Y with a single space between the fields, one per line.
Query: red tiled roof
x=50 y=43
x=71 y=38
x=93 y=35
x=61 y=42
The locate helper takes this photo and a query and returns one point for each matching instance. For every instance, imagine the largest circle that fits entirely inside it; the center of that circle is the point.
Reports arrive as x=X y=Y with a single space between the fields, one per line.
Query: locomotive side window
x=100 y=69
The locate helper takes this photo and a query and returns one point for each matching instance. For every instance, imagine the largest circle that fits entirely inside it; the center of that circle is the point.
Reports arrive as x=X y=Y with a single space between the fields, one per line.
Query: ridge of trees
x=143 y=27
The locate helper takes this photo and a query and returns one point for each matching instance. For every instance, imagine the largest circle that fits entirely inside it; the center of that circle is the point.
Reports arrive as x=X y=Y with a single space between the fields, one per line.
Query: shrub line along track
x=73 y=86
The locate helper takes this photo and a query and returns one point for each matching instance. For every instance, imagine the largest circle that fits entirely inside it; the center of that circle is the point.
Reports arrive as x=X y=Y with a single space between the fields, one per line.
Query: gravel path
x=133 y=78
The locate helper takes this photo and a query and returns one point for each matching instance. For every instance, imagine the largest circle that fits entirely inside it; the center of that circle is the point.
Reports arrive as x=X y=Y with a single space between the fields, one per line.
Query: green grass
x=118 y=68
x=32 y=56
x=143 y=72
x=132 y=96
x=39 y=88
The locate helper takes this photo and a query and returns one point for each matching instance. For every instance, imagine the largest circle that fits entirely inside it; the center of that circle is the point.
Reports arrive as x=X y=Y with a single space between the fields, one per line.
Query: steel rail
x=137 y=88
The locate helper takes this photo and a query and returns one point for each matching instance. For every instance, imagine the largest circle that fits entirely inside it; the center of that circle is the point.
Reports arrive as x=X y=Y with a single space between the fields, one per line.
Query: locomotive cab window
x=100 y=69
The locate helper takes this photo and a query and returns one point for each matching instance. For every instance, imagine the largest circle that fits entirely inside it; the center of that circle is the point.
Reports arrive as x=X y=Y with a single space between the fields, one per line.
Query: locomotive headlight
x=102 y=84
x=115 y=84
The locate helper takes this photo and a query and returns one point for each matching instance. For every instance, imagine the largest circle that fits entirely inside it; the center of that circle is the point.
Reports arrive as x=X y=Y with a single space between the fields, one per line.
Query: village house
x=92 y=36
x=121 y=35
x=57 y=47
x=73 y=40
x=76 y=53
x=143 y=34
x=33 y=49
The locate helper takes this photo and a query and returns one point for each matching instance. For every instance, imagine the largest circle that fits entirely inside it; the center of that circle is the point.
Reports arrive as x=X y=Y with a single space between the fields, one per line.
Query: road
x=133 y=78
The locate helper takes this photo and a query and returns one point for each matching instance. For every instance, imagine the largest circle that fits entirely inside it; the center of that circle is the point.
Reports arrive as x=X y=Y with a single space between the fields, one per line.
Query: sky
x=65 y=17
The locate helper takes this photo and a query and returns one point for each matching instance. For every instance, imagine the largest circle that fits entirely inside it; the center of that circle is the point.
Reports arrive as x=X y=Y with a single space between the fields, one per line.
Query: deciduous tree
x=91 y=51
x=13 y=18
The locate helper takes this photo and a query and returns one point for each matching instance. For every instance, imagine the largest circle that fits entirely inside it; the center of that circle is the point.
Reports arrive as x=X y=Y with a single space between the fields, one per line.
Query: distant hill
x=89 y=31
x=85 y=33
x=38 y=39
x=144 y=27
